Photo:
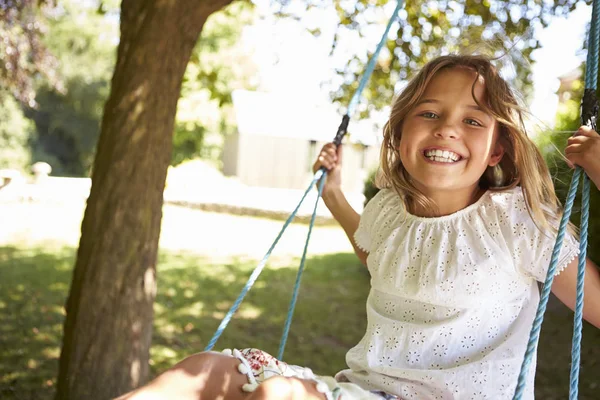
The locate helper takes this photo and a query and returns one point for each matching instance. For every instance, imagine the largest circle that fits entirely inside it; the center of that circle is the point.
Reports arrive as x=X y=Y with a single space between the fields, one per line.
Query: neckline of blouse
x=454 y=215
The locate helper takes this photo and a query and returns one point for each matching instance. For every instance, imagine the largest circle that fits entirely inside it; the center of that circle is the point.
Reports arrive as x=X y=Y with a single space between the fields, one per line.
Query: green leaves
x=219 y=64
x=427 y=28
x=68 y=120
x=15 y=134
x=22 y=54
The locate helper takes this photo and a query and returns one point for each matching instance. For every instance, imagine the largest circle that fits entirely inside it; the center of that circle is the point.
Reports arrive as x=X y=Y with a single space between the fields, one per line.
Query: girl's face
x=447 y=141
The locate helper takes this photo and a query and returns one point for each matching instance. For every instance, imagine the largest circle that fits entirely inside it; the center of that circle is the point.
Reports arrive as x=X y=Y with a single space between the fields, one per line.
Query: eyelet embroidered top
x=452 y=298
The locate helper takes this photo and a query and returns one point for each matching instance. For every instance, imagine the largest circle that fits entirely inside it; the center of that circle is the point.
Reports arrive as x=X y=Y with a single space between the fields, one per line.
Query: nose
x=446 y=130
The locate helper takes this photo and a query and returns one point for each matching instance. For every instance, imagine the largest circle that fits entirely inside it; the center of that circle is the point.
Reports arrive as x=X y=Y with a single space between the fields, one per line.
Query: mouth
x=442 y=156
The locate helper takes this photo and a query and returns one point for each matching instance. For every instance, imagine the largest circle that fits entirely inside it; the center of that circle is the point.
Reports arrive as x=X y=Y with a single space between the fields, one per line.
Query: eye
x=429 y=114
x=470 y=121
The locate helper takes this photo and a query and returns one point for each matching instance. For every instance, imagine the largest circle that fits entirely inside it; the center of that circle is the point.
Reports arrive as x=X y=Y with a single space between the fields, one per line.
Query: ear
x=497 y=154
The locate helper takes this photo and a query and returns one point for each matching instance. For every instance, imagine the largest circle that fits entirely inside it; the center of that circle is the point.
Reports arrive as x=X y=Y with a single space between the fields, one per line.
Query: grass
x=194 y=294
x=196 y=290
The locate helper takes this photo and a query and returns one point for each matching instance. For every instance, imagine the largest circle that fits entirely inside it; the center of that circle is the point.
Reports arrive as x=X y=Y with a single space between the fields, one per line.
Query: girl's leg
x=281 y=388
x=202 y=376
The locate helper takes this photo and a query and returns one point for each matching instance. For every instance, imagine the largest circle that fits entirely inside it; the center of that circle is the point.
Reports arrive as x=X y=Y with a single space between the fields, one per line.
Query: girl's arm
x=345 y=215
x=330 y=157
x=565 y=288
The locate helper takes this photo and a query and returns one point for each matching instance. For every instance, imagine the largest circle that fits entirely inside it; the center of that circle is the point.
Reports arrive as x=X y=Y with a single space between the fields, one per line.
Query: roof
x=268 y=114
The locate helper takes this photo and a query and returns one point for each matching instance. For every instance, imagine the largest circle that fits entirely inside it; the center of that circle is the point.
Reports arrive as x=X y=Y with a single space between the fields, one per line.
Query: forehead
x=456 y=82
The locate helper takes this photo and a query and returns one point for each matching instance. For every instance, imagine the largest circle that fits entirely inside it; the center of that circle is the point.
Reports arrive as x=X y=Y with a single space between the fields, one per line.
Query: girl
x=455 y=241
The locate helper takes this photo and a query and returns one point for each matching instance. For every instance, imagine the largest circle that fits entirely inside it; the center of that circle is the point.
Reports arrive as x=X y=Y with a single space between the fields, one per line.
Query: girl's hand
x=583 y=150
x=330 y=157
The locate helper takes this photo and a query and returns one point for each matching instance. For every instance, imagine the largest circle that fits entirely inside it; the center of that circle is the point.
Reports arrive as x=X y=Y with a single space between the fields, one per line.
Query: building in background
x=277 y=140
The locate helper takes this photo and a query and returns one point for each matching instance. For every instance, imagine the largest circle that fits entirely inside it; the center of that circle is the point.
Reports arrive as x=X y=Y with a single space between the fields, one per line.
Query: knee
x=277 y=387
x=203 y=375
x=200 y=362
x=286 y=388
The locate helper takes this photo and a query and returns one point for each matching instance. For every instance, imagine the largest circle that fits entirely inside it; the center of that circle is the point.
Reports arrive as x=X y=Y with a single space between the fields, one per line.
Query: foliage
x=15 y=134
x=68 y=121
x=83 y=40
x=22 y=53
x=370 y=189
x=219 y=65
x=429 y=28
x=83 y=36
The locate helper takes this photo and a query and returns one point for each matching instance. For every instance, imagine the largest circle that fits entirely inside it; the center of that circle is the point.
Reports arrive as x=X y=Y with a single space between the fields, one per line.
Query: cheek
x=403 y=147
x=482 y=146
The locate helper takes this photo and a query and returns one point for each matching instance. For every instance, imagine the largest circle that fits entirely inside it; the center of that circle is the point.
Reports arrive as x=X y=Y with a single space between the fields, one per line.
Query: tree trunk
x=108 y=327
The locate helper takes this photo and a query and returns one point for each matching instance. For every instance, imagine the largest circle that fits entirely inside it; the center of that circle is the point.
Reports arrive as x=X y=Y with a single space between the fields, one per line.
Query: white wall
x=282 y=162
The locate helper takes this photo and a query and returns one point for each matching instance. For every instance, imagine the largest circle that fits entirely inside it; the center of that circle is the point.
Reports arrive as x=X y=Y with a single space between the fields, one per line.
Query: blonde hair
x=522 y=163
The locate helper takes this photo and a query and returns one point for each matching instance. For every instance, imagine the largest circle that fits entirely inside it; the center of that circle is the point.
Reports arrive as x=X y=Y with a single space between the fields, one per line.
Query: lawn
x=196 y=288
x=194 y=294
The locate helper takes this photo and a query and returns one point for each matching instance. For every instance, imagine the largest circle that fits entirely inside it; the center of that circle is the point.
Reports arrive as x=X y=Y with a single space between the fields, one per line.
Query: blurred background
x=265 y=87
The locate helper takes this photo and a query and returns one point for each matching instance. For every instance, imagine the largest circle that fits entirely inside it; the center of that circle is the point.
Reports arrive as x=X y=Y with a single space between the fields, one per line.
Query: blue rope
x=539 y=316
x=578 y=318
x=337 y=140
x=321 y=173
x=588 y=111
x=591 y=77
x=371 y=65
x=258 y=270
x=288 y=321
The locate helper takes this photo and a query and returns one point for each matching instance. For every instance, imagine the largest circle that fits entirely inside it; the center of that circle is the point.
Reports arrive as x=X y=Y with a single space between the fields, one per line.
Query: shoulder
x=378 y=215
x=505 y=215
x=384 y=195
x=509 y=198
x=386 y=202
x=510 y=205
x=384 y=206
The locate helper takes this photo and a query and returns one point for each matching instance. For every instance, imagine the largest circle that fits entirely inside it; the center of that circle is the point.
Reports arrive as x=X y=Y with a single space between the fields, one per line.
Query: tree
x=83 y=37
x=108 y=326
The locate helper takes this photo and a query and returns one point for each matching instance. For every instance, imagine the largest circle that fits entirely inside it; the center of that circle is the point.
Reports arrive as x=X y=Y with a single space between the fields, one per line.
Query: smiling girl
x=455 y=241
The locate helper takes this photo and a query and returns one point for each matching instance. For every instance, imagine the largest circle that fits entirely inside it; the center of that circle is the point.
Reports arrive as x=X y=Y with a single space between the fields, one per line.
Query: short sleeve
x=377 y=217
x=531 y=246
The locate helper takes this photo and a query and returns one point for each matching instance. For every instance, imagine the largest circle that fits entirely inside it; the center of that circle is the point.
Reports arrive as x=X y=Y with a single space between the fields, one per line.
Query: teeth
x=441 y=159
x=442 y=156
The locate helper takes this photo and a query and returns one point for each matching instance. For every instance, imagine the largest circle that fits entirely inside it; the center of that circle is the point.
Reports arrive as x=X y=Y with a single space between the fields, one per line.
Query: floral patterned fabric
x=260 y=366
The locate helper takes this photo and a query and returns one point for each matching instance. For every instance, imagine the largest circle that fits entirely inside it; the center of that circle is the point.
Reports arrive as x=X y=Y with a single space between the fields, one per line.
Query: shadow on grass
x=329 y=318
x=195 y=292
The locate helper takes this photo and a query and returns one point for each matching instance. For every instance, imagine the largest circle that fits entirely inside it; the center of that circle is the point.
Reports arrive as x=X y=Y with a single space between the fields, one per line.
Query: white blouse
x=452 y=298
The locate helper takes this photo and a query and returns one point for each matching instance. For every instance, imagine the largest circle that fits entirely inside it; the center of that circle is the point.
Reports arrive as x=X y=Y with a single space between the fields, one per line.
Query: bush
x=15 y=134
x=370 y=189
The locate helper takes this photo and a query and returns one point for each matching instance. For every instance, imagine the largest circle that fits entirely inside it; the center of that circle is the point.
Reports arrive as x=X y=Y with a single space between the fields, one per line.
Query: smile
x=442 y=156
